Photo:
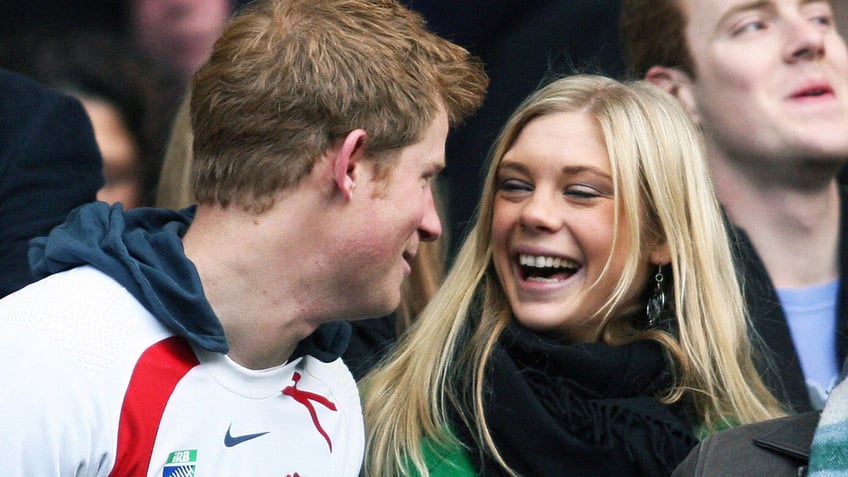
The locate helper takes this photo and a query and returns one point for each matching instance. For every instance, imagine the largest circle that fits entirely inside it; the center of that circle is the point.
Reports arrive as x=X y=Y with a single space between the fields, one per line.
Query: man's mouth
x=546 y=269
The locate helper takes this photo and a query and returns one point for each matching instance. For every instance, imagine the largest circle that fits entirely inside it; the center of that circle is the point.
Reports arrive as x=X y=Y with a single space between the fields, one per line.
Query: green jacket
x=452 y=461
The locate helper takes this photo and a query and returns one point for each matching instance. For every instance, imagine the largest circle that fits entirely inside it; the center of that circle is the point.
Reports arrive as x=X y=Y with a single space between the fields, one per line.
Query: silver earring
x=656 y=303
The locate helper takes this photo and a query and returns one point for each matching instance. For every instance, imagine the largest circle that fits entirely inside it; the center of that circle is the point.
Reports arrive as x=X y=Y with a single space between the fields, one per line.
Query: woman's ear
x=346 y=161
x=660 y=255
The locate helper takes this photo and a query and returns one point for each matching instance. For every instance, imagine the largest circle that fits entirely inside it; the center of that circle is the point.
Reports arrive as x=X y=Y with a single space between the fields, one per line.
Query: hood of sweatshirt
x=142 y=250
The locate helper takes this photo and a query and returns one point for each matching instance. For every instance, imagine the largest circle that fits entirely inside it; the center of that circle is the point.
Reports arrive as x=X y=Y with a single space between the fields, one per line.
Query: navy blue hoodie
x=142 y=250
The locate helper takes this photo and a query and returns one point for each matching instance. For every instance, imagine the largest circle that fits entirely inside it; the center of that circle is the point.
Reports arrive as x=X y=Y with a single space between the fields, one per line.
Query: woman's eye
x=514 y=185
x=582 y=192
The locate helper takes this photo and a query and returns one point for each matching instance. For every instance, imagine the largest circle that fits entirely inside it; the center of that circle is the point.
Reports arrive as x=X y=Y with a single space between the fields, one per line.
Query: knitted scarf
x=829 y=451
x=585 y=409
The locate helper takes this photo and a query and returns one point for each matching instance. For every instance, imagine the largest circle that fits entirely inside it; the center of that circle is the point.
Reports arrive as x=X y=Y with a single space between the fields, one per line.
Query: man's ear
x=346 y=161
x=677 y=83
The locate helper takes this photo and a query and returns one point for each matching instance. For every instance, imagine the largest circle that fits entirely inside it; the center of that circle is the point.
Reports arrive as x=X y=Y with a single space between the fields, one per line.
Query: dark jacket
x=370 y=341
x=775 y=448
x=49 y=164
x=784 y=377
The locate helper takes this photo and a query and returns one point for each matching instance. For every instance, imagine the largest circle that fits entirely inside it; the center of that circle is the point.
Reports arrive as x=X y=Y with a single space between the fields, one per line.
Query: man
x=767 y=82
x=168 y=343
x=49 y=164
x=178 y=33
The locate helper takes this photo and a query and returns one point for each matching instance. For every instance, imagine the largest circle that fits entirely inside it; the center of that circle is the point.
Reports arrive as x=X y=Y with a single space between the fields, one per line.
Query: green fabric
x=450 y=461
x=701 y=431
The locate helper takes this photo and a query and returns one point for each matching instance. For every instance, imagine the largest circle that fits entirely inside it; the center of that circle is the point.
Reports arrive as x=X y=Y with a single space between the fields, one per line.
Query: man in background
x=767 y=82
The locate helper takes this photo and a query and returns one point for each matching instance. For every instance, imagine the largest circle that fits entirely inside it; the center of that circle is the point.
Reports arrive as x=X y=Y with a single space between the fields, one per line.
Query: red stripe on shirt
x=153 y=380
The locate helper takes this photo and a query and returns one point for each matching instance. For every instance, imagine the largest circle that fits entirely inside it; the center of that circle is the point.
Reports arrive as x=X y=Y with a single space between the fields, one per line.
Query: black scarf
x=585 y=409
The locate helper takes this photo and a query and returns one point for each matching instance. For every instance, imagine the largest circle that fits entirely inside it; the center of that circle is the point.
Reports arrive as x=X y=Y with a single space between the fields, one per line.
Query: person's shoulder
x=22 y=99
x=777 y=447
x=11 y=81
x=83 y=286
x=83 y=313
x=70 y=343
x=33 y=115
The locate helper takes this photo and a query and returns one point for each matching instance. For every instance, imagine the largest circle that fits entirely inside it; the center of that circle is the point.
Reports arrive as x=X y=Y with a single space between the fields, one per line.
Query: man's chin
x=381 y=309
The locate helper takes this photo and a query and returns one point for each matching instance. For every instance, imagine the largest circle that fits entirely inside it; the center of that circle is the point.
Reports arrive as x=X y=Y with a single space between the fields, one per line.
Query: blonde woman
x=592 y=323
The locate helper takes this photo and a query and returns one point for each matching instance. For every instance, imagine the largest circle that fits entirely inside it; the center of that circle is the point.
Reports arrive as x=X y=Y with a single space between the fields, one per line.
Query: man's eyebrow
x=752 y=5
x=807 y=2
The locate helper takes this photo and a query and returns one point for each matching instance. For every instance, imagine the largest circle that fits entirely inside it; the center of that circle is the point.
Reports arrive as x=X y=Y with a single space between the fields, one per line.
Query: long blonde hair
x=663 y=191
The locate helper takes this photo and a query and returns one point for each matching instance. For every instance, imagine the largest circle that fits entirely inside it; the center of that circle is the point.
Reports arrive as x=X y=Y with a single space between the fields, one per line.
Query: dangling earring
x=656 y=303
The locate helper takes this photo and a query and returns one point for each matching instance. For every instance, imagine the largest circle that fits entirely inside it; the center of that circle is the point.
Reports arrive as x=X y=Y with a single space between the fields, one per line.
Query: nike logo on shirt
x=231 y=440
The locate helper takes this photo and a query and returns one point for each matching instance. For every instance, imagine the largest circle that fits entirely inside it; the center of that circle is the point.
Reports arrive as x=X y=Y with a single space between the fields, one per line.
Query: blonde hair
x=175 y=189
x=663 y=191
